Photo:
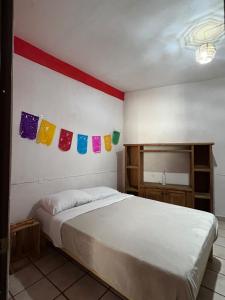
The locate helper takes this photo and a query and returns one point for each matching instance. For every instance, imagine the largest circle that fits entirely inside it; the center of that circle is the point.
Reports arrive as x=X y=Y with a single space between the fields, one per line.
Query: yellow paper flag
x=108 y=142
x=46 y=133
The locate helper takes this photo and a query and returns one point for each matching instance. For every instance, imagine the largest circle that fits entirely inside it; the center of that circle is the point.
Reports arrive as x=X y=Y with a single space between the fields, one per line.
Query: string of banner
x=46 y=132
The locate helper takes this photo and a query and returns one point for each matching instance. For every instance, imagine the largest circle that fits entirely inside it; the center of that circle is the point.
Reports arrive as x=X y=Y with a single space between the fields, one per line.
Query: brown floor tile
x=206 y=294
x=60 y=297
x=50 y=262
x=23 y=279
x=44 y=252
x=98 y=279
x=118 y=294
x=42 y=290
x=19 y=264
x=86 y=288
x=215 y=282
x=110 y=296
x=64 y=276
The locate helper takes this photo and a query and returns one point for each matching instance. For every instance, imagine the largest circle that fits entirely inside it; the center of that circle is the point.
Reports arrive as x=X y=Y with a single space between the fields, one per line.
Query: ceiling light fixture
x=205 y=53
x=204 y=37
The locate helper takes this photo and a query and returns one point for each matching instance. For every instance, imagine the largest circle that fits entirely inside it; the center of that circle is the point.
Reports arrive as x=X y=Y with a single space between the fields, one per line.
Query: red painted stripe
x=41 y=57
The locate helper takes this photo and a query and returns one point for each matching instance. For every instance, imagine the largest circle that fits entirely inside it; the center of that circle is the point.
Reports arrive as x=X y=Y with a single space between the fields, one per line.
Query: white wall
x=193 y=112
x=38 y=169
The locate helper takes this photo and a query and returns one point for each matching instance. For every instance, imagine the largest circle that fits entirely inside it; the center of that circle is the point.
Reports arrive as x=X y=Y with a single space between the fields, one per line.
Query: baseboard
x=220 y=218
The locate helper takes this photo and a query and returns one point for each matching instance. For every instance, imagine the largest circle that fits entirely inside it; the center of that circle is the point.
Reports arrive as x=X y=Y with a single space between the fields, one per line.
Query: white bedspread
x=51 y=225
x=145 y=249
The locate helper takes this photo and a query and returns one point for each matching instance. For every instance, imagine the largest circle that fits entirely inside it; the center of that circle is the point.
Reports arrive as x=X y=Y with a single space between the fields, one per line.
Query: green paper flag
x=115 y=137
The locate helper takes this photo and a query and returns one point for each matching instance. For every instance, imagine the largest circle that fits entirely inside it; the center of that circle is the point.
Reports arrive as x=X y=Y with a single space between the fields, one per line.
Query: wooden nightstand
x=25 y=239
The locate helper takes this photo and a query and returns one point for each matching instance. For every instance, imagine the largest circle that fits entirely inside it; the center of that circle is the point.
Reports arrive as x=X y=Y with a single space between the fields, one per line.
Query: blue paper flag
x=82 y=142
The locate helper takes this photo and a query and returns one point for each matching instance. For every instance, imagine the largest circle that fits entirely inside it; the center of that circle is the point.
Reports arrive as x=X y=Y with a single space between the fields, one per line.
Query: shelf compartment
x=132 y=155
x=132 y=180
x=202 y=204
x=202 y=182
x=202 y=155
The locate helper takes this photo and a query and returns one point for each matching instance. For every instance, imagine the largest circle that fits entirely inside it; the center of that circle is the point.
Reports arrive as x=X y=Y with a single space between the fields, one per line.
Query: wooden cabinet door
x=154 y=194
x=189 y=200
x=142 y=193
x=175 y=197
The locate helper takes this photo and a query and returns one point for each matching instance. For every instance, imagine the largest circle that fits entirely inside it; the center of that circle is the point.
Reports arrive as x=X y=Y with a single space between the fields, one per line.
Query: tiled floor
x=55 y=276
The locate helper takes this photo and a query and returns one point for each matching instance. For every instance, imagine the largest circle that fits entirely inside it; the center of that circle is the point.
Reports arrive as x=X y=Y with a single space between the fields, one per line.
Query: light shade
x=205 y=53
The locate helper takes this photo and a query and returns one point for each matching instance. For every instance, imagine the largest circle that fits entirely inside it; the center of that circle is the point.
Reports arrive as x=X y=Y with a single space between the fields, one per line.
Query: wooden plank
x=167 y=186
x=167 y=150
x=202 y=195
x=172 y=144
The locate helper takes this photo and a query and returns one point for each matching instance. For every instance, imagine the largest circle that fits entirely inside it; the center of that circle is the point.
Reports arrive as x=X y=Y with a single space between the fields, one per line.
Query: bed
x=143 y=248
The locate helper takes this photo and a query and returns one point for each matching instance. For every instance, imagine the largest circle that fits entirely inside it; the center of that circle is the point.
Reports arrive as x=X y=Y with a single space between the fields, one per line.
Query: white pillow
x=100 y=192
x=58 y=202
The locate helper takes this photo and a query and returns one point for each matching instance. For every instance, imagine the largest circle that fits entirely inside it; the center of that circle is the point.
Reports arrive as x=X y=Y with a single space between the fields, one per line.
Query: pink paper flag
x=96 y=144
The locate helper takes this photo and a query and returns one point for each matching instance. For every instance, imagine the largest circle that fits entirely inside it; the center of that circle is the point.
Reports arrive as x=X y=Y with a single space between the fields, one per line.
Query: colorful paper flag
x=82 y=142
x=65 y=139
x=108 y=142
x=115 y=137
x=46 y=133
x=28 y=126
x=96 y=144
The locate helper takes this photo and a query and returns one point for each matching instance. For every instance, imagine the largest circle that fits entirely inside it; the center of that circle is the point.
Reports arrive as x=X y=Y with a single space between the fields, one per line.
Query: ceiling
x=130 y=44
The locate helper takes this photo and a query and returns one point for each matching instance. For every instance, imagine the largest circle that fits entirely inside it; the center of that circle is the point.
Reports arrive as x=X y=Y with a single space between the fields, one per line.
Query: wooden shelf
x=131 y=189
x=202 y=195
x=172 y=144
x=167 y=150
x=23 y=225
x=132 y=167
x=178 y=187
x=201 y=168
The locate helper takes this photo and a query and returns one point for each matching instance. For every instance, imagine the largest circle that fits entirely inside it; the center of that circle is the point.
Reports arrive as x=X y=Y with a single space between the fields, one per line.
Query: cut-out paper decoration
x=108 y=142
x=28 y=126
x=82 y=142
x=115 y=137
x=46 y=133
x=65 y=139
x=96 y=144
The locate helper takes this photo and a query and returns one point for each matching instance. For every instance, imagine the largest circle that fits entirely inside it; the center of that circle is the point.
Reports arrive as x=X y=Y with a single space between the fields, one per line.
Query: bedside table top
x=23 y=224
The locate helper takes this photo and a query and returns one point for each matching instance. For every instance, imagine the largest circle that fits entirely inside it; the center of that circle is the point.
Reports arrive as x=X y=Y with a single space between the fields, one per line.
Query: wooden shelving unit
x=198 y=194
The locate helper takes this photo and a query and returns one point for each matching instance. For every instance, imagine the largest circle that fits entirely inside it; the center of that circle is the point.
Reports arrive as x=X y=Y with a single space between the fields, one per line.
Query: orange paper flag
x=108 y=142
